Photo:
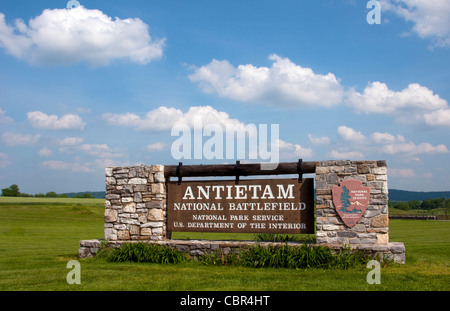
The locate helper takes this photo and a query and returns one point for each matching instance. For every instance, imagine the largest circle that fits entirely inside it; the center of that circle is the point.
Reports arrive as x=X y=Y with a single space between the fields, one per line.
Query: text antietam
x=239 y=192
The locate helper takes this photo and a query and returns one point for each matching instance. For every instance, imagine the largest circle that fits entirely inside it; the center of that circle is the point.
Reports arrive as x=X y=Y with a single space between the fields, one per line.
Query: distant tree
x=446 y=206
x=51 y=194
x=426 y=205
x=414 y=204
x=84 y=196
x=441 y=202
x=430 y=204
x=63 y=195
x=403 y=206
x=12 y=191
x=39 y=195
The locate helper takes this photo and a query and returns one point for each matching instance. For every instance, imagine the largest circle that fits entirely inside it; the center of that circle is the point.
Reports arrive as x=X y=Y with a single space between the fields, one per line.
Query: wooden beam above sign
x=249 y=169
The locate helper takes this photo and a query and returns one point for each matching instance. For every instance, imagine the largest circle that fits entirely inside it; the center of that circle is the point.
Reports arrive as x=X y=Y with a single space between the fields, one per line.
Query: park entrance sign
x=252 y=206
x=345 y=205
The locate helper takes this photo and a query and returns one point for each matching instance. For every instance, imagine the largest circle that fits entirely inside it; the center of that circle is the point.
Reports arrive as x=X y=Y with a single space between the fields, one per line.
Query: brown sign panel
x=252 y=206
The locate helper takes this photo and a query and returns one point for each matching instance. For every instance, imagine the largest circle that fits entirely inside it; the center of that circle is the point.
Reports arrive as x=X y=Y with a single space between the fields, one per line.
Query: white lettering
x=217 y=189
x=202 y=190
x=267 y=192
x=229 y=192
x=240 y=192
x=188 y=193
x=285 y=194
x=254 y=187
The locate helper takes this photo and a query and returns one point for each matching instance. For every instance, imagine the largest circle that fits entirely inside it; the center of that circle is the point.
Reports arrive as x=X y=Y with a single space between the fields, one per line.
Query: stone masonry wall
x=373 y=228
x=135 y=205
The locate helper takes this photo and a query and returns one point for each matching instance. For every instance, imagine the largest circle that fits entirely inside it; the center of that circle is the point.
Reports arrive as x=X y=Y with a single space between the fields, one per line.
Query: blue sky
x=104 y=83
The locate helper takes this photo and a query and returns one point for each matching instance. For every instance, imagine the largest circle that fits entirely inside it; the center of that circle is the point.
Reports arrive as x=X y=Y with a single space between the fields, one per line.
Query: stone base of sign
x=389 y=251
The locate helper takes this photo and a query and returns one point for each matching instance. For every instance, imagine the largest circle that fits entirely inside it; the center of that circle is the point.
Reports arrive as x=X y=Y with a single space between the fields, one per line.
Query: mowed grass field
x=39 y=236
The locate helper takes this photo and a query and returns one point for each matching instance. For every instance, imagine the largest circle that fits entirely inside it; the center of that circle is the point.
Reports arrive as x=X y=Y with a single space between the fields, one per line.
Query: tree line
x=14 y=191
x=426 y=205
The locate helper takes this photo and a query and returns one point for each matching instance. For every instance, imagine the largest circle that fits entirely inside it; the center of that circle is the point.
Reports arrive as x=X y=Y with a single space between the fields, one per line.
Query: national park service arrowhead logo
x=351 y=200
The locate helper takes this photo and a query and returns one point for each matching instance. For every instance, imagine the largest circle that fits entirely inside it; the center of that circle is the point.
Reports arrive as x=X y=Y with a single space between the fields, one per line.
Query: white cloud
x=41 y=120
x=284 y=83
x=45 y=152
x=378 y=98
x=346 y=155
x=428 y=175
x=83 y=167
x=70 y=141
x=101 y=151
x=68 y=166
x=68 y=36
x=319 y=140
x=388 y=143
x=100 y=164
x=391 y=144
x=155 y=146
x=439 y=117
x=413 y=149
x=4 y=162
x=164 y=118
x=16 y=139
x=349 y=134
x=290 y=85
x=416 y=104
x=4 y=120
x=293 y=151
x=430 y=18
x=386 y=138
x=401 y=172
x=71 y=145
x=380 y=143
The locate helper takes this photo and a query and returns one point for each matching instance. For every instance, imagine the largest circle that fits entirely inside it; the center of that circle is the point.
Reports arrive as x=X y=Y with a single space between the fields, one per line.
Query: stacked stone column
x=373 y=228
x=135 y=205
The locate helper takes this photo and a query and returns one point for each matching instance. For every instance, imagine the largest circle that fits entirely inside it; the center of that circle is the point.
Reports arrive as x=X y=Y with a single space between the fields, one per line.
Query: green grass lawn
x=38 y=237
